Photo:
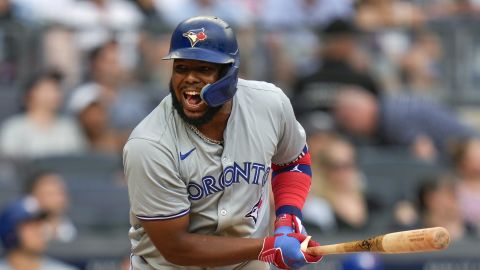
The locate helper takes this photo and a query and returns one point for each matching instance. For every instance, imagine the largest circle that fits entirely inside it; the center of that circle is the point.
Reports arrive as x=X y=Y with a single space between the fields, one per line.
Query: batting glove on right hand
x=284 y=251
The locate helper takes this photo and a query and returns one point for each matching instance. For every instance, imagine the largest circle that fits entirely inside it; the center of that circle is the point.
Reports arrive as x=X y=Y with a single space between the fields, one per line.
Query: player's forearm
x=291 y=184
x=206 y=250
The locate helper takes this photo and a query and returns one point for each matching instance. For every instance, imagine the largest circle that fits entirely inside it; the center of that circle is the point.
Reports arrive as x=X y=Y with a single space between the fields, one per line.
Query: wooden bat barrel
x=421 y=240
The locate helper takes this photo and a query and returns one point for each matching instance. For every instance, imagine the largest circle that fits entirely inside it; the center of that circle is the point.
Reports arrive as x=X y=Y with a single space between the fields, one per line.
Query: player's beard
x=198 y=121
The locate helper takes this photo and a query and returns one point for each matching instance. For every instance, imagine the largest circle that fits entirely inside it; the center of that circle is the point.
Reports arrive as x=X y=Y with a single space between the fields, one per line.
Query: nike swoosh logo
x=184 y=156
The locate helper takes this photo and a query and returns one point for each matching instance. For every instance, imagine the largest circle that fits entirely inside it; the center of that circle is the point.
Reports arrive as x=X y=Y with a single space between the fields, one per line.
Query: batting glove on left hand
x=284 y=251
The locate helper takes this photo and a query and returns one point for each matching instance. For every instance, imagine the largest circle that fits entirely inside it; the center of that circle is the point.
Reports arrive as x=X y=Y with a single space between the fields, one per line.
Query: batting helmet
x=209 y=39
x=16 y=213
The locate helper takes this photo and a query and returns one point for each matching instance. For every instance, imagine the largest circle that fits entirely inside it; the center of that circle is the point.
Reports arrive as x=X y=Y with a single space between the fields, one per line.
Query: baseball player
x=198 y=165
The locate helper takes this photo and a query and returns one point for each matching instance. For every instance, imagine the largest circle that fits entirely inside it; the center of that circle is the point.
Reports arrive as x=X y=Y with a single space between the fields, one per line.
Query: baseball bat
x=421 y=240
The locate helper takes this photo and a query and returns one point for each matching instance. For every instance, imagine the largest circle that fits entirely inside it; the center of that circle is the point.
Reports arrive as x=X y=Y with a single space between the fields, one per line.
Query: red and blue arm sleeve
x=291 y=184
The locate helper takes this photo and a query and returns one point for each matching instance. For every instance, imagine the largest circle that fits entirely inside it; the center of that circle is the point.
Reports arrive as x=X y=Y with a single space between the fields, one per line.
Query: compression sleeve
x=291 y=184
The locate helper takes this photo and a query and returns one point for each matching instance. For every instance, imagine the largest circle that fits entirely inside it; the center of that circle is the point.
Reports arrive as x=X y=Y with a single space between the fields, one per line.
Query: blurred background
x=387 y=91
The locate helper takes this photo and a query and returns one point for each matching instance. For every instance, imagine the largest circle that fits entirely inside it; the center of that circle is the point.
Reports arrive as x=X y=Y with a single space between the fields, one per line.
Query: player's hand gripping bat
x=421 y=240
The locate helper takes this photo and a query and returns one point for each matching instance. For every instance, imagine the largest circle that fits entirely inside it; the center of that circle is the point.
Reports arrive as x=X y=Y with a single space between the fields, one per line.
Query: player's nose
x=191 y=77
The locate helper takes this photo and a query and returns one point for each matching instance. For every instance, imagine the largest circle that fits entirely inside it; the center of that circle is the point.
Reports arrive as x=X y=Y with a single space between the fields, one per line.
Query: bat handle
x=304 y=244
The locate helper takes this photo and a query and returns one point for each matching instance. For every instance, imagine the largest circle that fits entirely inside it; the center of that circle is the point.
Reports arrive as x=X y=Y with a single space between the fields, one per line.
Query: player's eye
x=206 y=70
x=180 y=69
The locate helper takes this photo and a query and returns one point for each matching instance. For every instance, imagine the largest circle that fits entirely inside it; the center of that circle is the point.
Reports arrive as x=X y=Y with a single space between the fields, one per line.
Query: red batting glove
x=284 y=251
x=291 y=224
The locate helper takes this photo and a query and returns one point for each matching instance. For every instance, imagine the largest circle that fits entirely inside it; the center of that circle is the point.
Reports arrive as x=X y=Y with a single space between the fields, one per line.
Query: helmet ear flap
x=221 y=91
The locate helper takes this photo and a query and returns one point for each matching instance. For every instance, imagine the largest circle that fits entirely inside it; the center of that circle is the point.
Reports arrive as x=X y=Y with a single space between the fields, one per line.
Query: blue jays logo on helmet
x=195 y=35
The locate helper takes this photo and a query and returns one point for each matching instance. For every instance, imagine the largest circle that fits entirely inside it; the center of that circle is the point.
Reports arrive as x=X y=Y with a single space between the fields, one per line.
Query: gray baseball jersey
x=172 y=170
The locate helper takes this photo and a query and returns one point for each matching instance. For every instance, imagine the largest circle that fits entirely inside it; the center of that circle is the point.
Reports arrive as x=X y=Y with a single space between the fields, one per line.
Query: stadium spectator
x=466 y=157
x=405 y=215
x=22 y=233
x=41 y=131
x=125 y=104
x=41 y=12
x=439 y=206
x=303 y=13
x=406 y=121
x=17 y=49
x=147 y=8
x=98 y=21
x=60 y=51
x=75 y=27
x=235 y=13
x=79 y=26
x=338 y=67
x=92 y=116
x=420 y=65
x=153 y=45
x=49 y=189
x=437 y=10
x=378 y=14
x=290 y=41
x=338 y=190
x=320 y=128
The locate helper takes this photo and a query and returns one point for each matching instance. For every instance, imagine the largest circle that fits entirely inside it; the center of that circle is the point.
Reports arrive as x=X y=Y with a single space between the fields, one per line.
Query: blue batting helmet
x=209 y=39
x=17 y=213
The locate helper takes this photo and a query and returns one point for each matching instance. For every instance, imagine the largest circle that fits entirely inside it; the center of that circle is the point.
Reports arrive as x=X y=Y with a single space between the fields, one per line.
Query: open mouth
x=192 y=98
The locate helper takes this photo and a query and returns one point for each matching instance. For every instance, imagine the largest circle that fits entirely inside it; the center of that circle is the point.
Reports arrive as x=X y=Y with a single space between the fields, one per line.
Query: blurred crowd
x=379 y=86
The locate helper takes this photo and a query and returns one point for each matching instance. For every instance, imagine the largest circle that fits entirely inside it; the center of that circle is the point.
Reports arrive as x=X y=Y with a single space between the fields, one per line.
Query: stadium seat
x=99 y=198
x=103 y=208
x=10 y=187
x=9 y=103
x=392 y=174
x=94 y=168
